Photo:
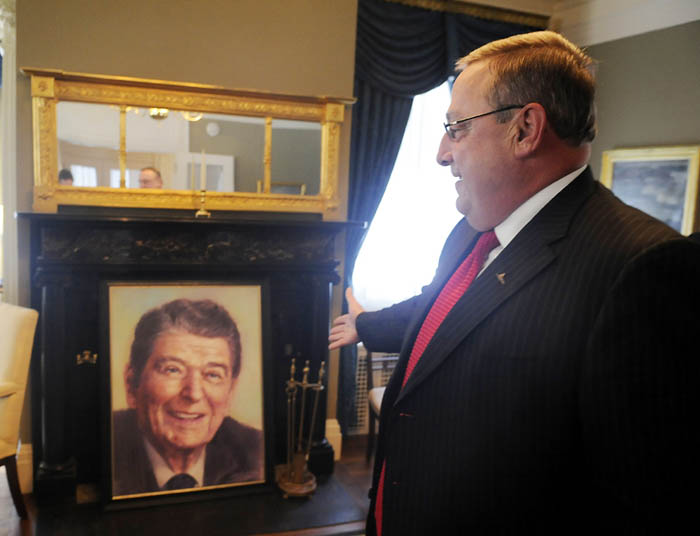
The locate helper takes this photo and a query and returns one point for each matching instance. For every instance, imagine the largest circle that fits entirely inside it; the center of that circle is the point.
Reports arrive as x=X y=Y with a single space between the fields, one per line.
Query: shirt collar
x=162 y=470
x=508 y=229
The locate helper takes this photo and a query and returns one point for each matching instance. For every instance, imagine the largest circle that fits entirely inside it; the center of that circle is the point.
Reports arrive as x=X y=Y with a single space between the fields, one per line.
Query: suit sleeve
x=639 y=389
x=384 y=330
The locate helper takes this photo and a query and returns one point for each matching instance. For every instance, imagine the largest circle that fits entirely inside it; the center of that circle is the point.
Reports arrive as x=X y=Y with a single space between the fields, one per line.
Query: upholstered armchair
x=17 y=326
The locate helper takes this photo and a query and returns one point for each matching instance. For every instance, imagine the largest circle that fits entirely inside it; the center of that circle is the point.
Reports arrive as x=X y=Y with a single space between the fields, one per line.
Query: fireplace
x=73 y=255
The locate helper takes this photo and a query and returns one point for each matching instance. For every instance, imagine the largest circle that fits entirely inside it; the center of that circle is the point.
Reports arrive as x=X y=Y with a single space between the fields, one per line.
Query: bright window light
x=131 y=176
x=84 y=175
x=417 y=212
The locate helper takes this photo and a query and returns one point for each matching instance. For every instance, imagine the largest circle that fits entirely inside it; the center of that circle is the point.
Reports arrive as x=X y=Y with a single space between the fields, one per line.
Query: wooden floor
x=351 y=471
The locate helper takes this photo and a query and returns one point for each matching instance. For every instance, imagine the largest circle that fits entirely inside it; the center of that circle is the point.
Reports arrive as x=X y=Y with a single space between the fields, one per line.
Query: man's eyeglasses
x=452 y=132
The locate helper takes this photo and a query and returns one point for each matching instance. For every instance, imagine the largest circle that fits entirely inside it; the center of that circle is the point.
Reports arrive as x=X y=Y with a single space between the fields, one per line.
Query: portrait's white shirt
x=508 y=229
x=163 y=473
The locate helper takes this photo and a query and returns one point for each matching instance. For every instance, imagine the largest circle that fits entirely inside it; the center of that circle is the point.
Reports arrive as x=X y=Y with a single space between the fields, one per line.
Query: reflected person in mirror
x=149 y=177
x=65 y=177
x=184 y=363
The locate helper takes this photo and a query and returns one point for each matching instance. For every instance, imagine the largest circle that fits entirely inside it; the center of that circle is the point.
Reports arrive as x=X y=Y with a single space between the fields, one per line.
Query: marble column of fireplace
x=72 y=256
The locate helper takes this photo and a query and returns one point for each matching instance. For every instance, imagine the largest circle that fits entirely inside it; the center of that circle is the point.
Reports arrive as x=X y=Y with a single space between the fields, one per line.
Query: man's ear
x=529 y=124
x=128 y=383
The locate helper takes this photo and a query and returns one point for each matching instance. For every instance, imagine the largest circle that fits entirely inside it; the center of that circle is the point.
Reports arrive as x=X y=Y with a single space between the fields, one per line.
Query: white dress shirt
x=162 y=470
x=508 y=229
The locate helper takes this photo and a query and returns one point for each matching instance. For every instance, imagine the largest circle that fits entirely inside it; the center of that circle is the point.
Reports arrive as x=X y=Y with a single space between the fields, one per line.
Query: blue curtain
x=401 y=51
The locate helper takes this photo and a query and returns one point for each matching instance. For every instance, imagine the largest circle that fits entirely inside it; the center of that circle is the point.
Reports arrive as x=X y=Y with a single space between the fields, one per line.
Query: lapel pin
x=501 y=278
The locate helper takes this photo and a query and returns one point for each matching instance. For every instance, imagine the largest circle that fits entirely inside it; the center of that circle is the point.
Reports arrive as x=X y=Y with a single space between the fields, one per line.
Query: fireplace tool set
x=294 y=478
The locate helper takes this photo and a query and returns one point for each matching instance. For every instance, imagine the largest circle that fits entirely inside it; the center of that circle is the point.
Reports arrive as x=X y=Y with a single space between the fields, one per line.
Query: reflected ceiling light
x=158 y=113
x=192 y=116
x=213 y=129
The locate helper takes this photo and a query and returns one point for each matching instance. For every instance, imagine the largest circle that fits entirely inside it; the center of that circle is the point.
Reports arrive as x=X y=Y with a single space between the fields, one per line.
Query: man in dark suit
x=184 y=363
x=557 y=394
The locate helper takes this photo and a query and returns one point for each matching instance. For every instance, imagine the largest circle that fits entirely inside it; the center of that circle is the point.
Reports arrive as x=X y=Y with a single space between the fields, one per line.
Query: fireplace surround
x=72 y=255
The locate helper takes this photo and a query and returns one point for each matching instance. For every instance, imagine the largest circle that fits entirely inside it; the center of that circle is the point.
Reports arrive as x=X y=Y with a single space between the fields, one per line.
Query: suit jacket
x=235 y=454
x=561 y=400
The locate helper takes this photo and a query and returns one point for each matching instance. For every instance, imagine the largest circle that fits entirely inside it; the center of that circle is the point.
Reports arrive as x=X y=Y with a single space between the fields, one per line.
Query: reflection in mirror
x=88 y=142
x=153 y=141
x=174 y=144
x=234 y=148
x=296 y=157
x=168 y=141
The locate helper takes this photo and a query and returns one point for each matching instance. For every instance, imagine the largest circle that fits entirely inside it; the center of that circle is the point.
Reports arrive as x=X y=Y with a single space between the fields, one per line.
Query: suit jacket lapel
x=526 y=256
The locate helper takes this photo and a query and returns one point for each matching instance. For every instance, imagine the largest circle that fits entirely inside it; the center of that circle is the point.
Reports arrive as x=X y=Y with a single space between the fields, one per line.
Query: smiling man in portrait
x=177 y=433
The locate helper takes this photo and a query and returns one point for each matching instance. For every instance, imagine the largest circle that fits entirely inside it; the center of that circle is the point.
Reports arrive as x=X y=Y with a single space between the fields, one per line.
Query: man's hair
x=154 y=170
x=543 y=67
x=65 y=174
x=205 y=318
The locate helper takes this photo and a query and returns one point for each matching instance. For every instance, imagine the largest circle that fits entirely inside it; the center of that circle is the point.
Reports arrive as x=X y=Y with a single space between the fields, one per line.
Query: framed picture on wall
x=185 y=406
x=661 y=181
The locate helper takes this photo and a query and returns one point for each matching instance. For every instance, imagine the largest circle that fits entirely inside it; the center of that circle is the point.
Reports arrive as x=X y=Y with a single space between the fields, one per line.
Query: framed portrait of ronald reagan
x=184 y=388
x=661 y=181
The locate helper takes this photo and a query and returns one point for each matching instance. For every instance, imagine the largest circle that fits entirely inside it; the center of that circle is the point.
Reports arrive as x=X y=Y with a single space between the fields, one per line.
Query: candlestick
x=202 y=212
x=203 y=174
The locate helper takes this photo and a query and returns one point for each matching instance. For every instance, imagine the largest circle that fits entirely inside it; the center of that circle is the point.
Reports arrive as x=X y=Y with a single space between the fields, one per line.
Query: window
x=417 y=212
x=84 y=175
x=132 y=178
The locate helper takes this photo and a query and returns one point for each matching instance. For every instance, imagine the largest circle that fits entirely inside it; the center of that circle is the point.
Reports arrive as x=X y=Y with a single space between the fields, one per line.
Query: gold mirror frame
x=51 y=86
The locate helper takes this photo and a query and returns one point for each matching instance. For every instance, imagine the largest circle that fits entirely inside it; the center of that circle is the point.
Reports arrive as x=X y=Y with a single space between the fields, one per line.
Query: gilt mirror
x=128 y=142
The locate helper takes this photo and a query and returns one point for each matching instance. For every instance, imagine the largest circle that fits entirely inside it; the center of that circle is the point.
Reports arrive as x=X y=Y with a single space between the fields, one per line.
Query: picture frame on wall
x=185 y=389
x=661 y=181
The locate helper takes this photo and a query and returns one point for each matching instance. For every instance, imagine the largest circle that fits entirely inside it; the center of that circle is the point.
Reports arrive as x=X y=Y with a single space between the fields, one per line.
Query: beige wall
x=648 y=90
x=285 y=46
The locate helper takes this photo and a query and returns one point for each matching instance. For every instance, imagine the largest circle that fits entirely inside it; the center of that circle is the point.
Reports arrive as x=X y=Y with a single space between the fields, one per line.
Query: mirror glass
x=234 y=150
x=176 y=143
x=88 y=143
x=295 y=166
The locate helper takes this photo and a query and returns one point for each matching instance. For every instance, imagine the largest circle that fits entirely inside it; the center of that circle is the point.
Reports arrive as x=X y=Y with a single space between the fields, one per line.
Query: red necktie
x=450 y=294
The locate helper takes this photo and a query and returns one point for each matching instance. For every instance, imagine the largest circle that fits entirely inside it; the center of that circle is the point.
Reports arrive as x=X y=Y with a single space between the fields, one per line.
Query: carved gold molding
x=45 y=148
x=111 y=197
x=330 y=145
x=147 y=98
x=52 y=86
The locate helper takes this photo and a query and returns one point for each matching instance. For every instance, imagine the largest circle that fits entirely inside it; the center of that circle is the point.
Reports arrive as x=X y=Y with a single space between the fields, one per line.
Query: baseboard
x=334 y=437
x=25 y=469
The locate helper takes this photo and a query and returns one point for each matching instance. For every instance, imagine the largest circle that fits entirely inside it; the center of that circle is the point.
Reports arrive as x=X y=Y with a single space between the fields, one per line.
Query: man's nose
x=193 y=388
x=444 y=155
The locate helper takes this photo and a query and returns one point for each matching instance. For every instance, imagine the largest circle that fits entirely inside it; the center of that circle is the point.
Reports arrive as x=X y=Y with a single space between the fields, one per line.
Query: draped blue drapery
x=401 y=51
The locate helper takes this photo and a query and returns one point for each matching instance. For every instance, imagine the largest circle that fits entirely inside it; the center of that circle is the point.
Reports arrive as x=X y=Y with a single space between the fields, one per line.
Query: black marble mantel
x=71 y=257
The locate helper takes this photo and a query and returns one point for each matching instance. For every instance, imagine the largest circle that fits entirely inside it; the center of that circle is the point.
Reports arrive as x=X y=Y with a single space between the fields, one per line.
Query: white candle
x=192 y=183
x=203 y=174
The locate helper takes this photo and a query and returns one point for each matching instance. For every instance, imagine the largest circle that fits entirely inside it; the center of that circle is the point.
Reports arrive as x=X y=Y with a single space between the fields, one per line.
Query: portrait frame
x=661 y=181
x=230 y=422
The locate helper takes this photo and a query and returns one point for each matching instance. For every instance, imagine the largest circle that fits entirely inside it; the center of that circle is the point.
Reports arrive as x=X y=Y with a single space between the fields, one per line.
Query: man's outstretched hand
x=344 y=331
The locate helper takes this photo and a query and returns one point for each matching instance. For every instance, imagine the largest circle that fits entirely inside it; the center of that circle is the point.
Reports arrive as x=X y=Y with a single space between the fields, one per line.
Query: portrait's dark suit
x=233 y=455
x=559 y=395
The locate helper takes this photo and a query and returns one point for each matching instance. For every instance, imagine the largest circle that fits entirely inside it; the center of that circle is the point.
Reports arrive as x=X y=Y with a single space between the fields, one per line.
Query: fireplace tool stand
x=294 y=478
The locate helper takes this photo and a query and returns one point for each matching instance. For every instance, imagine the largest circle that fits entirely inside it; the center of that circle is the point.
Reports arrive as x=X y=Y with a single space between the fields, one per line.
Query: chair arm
x=8 y=388
x=375 y=398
